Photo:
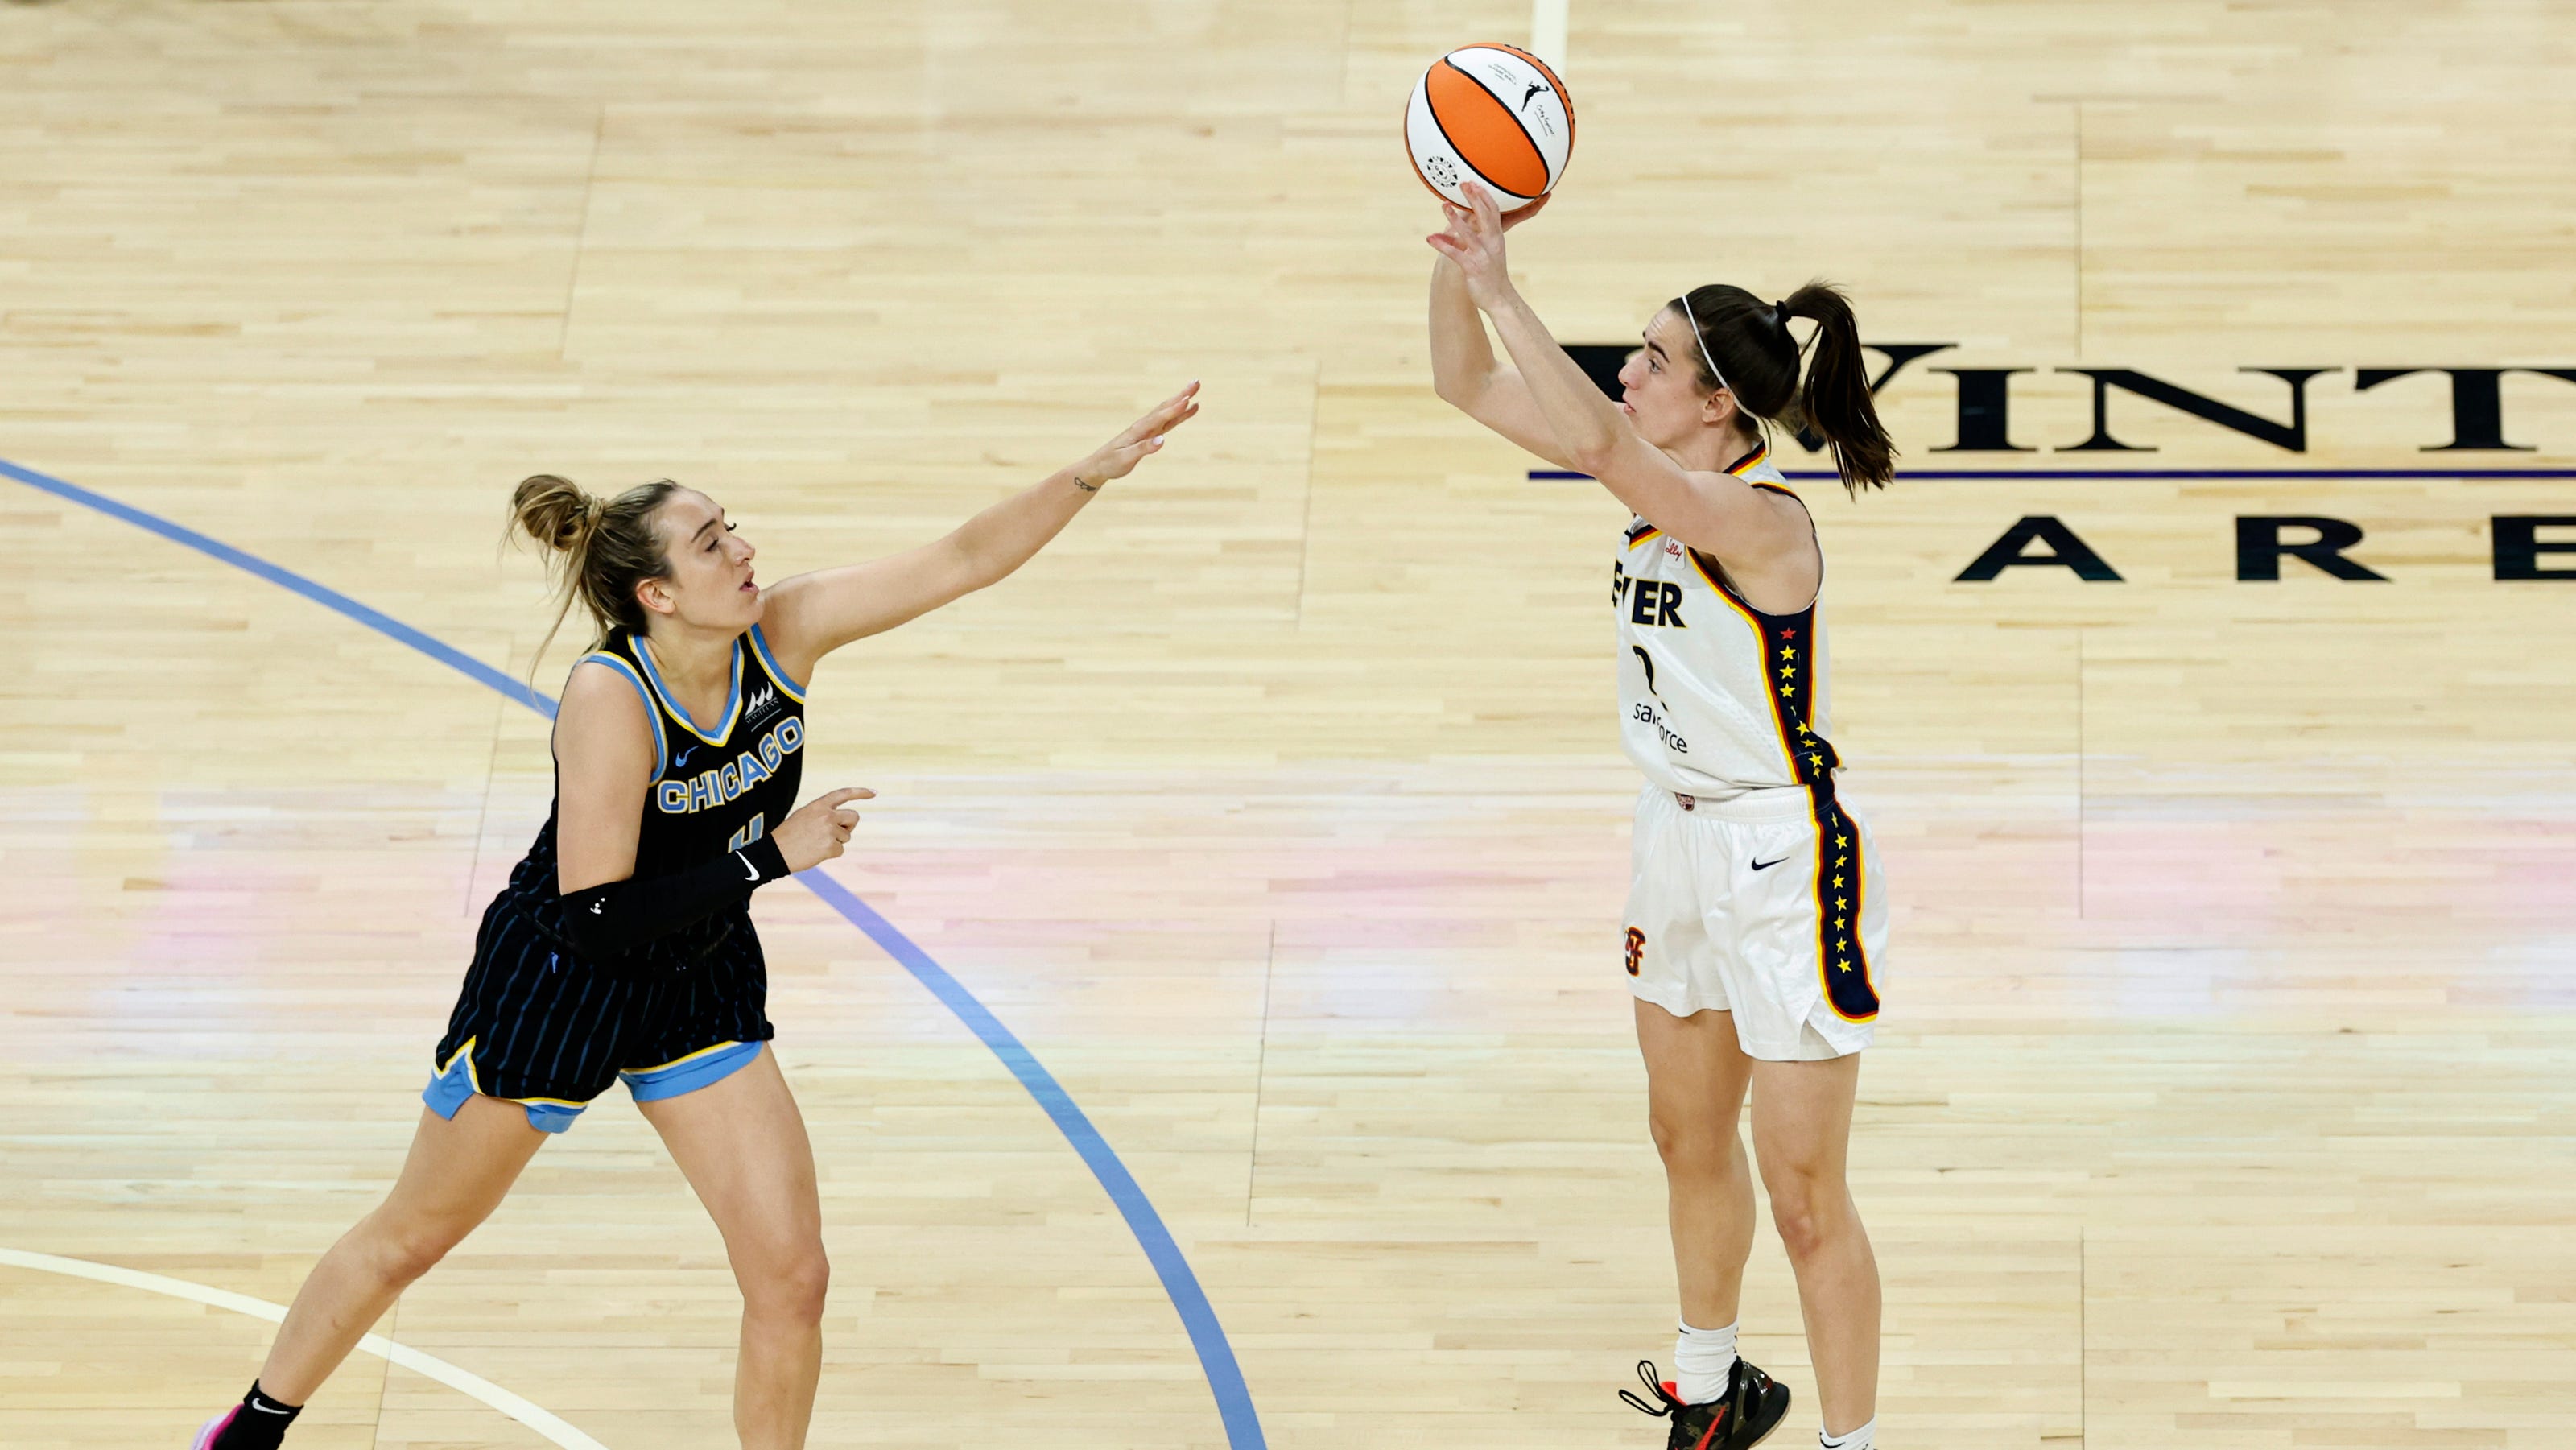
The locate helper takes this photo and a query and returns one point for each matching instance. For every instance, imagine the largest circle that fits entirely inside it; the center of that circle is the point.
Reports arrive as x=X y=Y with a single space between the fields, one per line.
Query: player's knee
x=1687 y=1145
x=1808 y=1213
x=401 y=1252
x=806 y=1283
x=789 y=1281
x=1802 y=1230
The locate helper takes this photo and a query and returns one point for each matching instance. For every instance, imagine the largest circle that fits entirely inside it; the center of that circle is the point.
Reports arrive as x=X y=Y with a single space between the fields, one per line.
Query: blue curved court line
x=1216 y=1356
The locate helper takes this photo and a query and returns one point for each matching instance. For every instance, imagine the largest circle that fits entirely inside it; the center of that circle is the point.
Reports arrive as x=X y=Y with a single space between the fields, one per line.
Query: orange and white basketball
x=1492 y=114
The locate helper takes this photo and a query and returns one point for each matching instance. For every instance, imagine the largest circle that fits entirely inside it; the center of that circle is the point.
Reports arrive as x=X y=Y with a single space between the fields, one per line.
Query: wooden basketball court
x=2226 y=1091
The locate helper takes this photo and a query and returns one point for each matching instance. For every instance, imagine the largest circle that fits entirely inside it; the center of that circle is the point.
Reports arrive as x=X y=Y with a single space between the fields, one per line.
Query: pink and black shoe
x=207 y=1432
x=257 y=1423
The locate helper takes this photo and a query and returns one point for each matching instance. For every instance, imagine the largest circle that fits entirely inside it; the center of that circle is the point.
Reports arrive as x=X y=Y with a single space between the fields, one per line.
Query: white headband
x=1780 y=311
x=1703 y=351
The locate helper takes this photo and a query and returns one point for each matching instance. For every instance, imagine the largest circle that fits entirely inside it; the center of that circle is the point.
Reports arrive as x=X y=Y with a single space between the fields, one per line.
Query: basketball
x=1492 y=114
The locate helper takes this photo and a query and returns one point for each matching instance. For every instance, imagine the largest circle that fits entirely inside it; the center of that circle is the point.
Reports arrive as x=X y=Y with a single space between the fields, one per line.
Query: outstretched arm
x=1708 y=511
x=1463 y=370
x=811 y=615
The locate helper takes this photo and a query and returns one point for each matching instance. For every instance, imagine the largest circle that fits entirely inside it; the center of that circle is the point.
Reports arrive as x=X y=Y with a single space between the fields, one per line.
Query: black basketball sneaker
x=1751 y=1408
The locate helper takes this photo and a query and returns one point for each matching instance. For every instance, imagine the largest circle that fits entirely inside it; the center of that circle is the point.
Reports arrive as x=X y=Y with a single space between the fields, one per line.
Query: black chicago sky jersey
x=718 y=785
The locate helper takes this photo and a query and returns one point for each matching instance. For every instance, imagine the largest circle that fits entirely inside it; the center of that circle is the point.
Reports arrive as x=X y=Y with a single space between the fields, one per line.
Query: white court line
x=464 y=1383
x=1547 y=32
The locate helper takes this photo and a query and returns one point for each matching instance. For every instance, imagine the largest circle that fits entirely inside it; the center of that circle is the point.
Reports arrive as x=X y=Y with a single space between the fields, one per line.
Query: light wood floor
x=2227 y=1090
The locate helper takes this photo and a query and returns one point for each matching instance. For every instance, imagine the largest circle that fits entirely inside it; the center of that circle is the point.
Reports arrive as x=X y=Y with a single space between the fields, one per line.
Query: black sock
x=259 y=1424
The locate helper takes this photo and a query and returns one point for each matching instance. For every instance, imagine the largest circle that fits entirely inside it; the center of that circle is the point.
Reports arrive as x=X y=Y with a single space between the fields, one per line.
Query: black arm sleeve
x=617 y=917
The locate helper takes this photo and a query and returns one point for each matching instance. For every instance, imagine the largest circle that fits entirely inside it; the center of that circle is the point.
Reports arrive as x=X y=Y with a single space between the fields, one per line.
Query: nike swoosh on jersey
x=1767 y=865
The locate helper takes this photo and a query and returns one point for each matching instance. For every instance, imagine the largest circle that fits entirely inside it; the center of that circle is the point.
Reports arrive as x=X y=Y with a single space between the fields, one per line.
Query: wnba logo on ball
x=1636 y=950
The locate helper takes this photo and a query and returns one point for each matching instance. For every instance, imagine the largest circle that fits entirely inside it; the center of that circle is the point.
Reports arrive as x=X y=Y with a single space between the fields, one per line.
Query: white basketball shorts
x=1770 y=906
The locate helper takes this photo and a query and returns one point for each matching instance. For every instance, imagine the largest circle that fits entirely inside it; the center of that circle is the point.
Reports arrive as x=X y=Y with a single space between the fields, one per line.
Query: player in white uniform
x=1757 y=918
x=1728 y=721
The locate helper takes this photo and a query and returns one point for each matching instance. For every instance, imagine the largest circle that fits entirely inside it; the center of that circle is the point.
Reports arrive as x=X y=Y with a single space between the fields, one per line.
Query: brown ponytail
x=603 y=547
x=1837 y=403
x=1750 y=343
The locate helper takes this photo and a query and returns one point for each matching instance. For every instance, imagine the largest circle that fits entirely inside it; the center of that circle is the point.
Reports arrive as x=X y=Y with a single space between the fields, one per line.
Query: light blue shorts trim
x=448 y=1091
x=697 y=1070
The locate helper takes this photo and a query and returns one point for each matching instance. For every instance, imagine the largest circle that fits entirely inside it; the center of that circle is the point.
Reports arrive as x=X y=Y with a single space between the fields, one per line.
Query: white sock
x=1702 y=1358
x=1864 y=1438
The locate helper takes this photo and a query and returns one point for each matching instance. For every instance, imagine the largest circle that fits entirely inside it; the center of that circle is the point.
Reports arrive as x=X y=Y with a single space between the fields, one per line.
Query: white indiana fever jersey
x=1715 y=697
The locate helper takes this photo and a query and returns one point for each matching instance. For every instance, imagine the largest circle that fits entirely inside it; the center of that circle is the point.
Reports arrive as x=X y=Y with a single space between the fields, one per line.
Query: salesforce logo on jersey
x=2271 y=437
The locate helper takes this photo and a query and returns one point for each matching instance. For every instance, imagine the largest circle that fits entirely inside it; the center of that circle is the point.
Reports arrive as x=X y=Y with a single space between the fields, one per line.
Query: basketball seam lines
x=1507 y=110
x=1547 y=173
x=1455 y=149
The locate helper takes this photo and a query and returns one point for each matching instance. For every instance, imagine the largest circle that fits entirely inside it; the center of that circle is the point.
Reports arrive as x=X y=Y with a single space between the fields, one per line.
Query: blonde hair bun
x=602 y=547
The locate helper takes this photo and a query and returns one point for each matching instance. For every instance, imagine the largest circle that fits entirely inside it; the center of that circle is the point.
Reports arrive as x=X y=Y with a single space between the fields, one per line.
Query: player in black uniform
x=623 y=948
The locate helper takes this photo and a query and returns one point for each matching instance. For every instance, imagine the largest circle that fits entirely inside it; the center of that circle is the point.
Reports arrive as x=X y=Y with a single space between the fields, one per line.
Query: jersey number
x=758 y=826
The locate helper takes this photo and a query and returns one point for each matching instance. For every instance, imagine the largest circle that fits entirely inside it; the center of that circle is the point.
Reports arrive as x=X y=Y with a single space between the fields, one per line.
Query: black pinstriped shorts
x=534 y=1022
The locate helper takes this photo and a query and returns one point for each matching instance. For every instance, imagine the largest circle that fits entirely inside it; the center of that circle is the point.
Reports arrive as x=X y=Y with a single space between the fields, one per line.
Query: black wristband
x=617 y=918
x=767 y=859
